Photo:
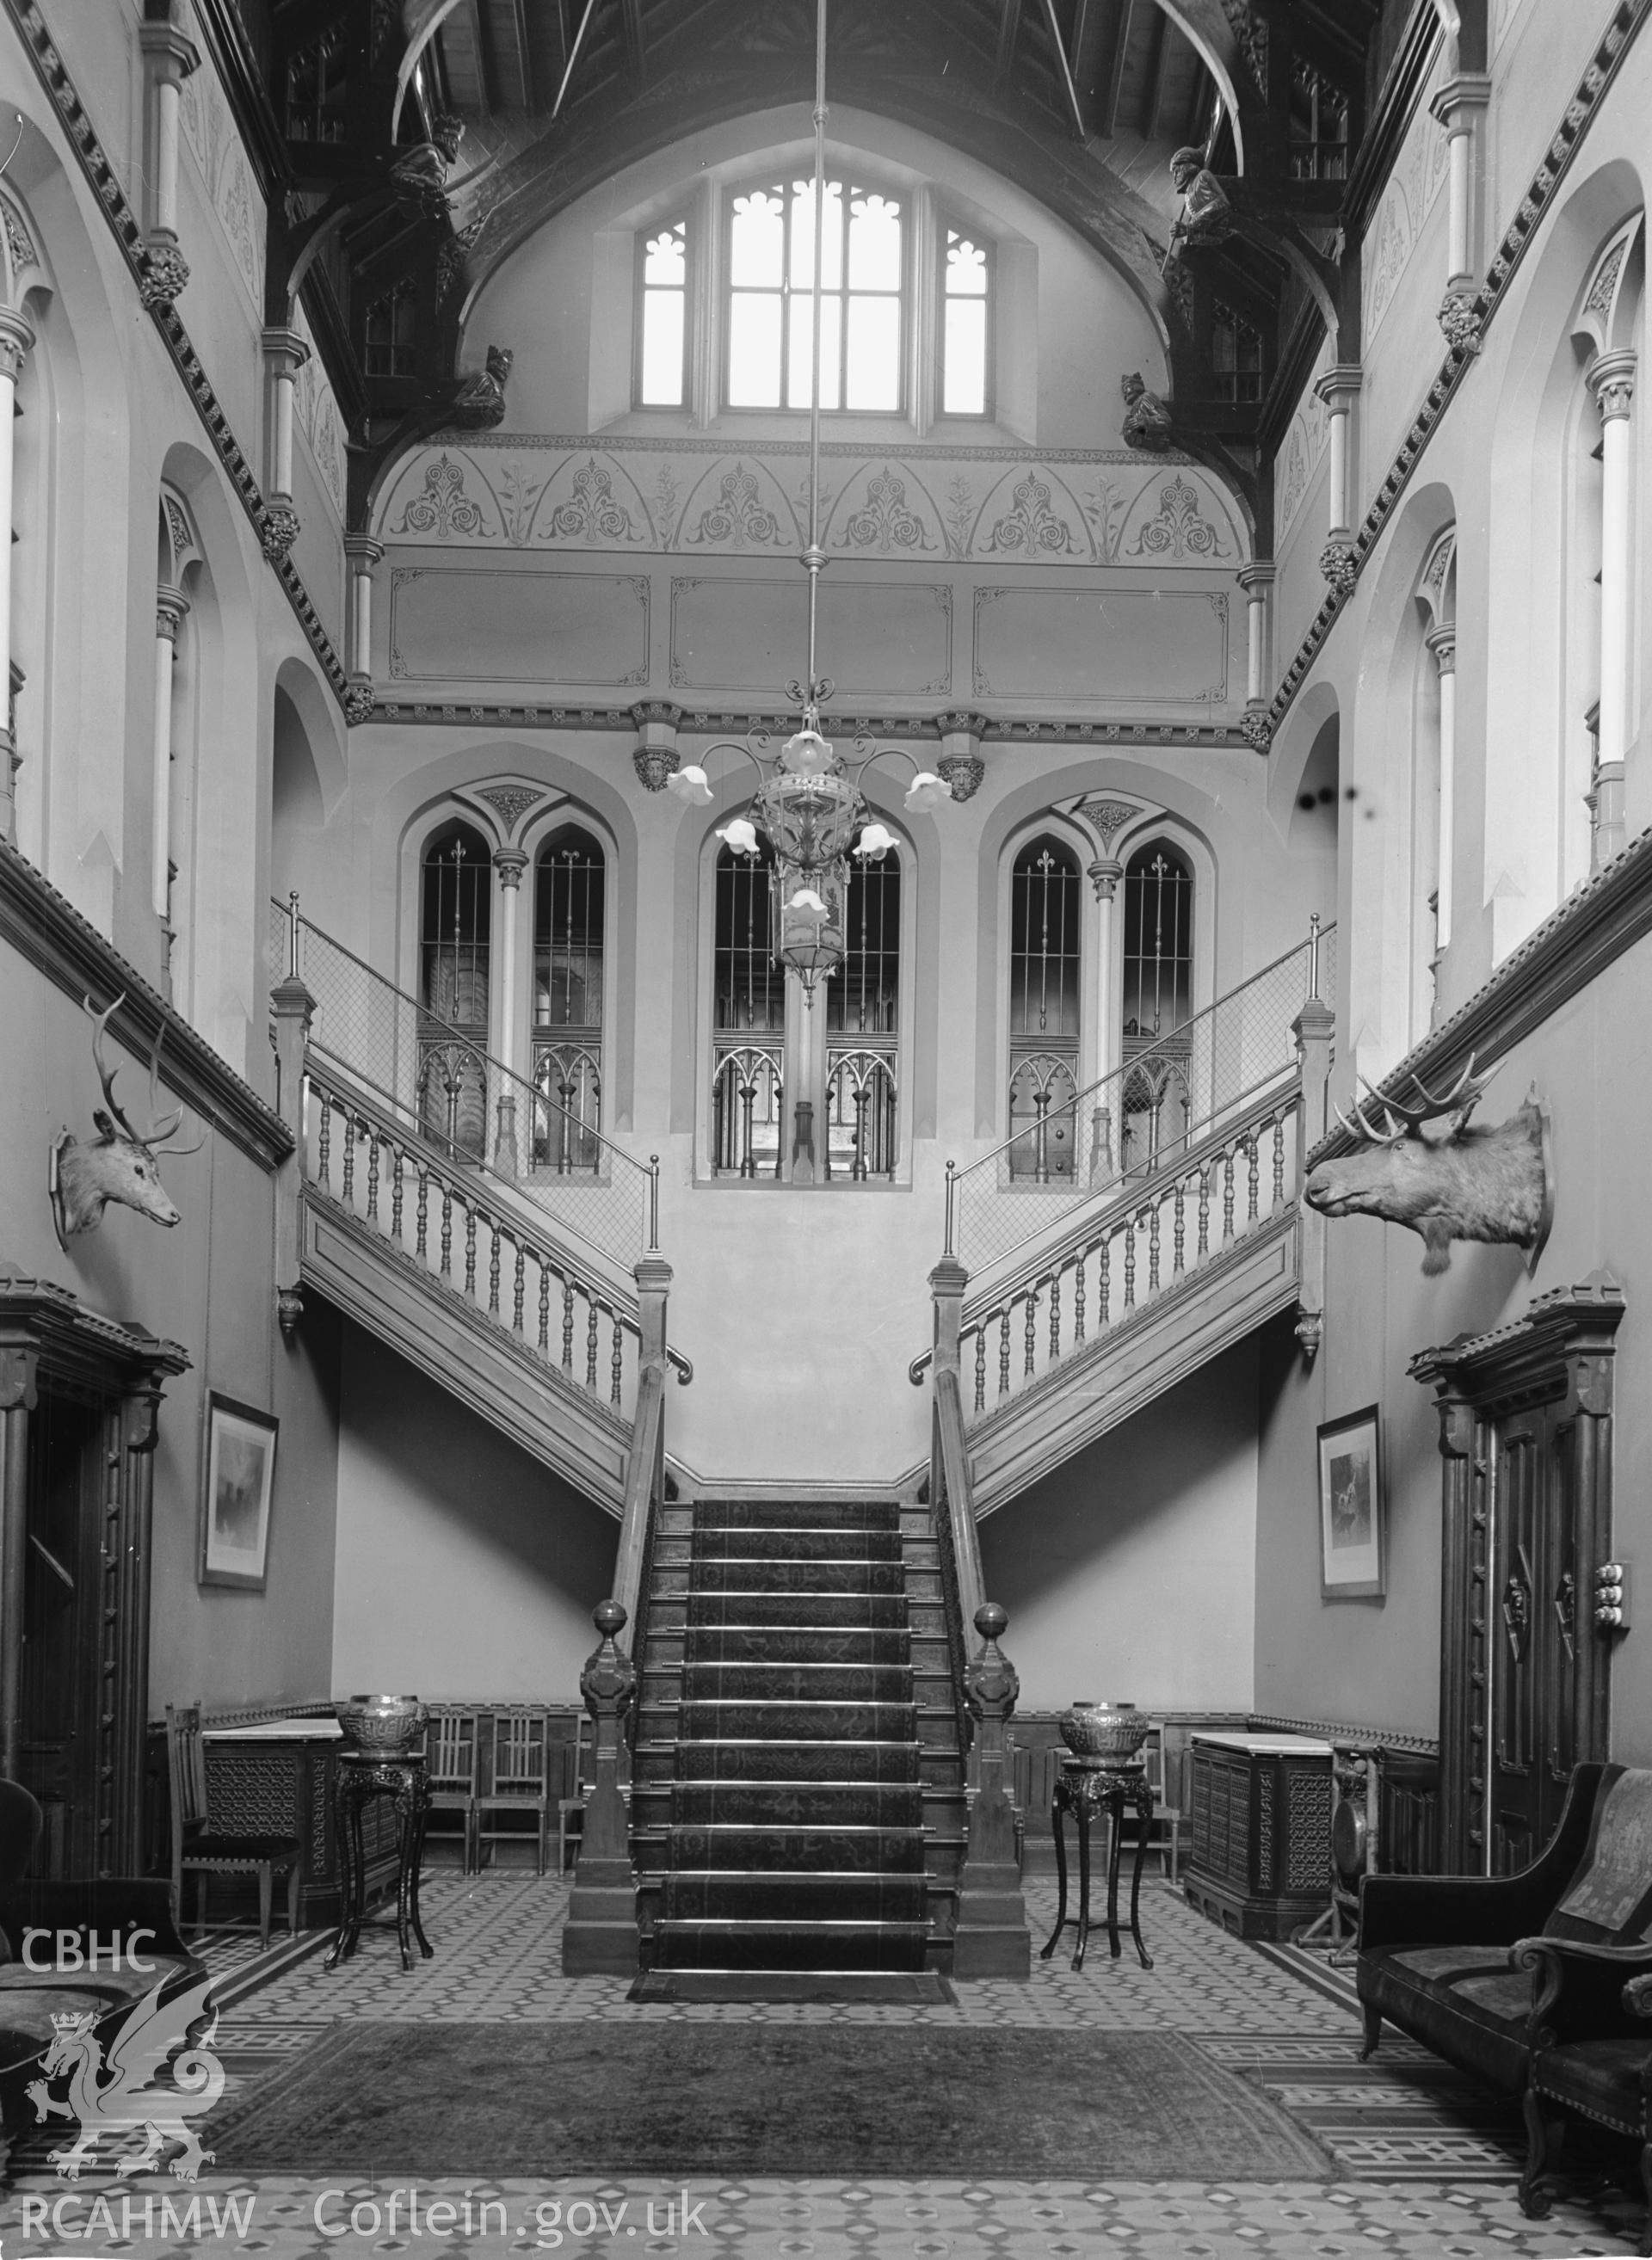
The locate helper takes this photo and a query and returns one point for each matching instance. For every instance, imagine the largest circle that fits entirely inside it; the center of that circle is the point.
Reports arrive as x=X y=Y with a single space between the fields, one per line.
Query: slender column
x=285 y=354
x=1256 y=580
x=1339 y=388
x=510 y=864
x=292 y=1008
x=169 y=57
x=364 y=553
x=171 y=607
x=1612 y=383
x=1458 y=105
x=1442 y=642
x=17 y=1365
x=1314 y=1029
x=16 y=337
x=1105 y=875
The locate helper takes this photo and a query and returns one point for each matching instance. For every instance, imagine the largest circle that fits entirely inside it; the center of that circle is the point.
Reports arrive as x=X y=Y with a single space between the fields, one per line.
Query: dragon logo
x=113 y=2091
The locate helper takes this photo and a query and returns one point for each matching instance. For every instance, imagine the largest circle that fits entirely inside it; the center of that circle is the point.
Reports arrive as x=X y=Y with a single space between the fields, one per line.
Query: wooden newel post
x=600 y=1936
x=991 y=1938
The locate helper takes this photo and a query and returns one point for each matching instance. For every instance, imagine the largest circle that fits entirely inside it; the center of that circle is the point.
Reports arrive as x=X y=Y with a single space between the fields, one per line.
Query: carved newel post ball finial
x=991 y=1620
x=990 y=1682
x=610 y=1678
x=609 y=1617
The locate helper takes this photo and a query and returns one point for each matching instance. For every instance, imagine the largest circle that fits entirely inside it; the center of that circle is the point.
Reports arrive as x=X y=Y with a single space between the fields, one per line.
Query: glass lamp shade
x=810 y=820
x=807 y=922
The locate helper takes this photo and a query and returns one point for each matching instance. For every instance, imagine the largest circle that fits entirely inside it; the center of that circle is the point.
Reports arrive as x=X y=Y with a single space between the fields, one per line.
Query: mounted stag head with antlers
x=119 y=1163
x=1472 y=1183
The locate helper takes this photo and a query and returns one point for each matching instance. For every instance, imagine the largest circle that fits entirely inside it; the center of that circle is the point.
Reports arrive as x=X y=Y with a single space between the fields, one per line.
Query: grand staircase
x=798 y=1798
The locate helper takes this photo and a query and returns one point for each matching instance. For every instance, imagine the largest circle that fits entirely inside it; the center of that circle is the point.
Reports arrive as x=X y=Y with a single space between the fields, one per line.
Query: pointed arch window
x=768 y=340
x=1156 y=1105
x=455 y=920
x=1044 y=922
x=863 y=1028
x=569 y=916
x=749 y=1017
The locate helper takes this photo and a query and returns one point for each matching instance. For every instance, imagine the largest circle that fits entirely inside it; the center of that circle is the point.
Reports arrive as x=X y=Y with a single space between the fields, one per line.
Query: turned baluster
x=495 y=1236
x=1030 y=1329
x=1078 y=1296
x=981 y=1369
x=1104 y=1287
x=1153 y=1248
x=398 y=1164
x=1181 y=1228
x=372 y=1173
x=421 y=1223
x=1227 y=1195
x=446 y=1232
x=1004 y=1351
x=615 y=1363
x=323 y=1143
x=545 y=1308
x=1204 y=1210
x=591 y=1344
x=1253 y=1171
x=348 y=1186
x=1130 y=1261
x=1054 y=1316
x=568 y=1325
x=470 y=1250
x=518 y=1287
x=1277 y=1126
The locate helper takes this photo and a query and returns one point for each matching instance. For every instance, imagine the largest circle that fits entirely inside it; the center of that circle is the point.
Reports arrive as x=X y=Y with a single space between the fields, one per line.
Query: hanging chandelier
x=808 y=812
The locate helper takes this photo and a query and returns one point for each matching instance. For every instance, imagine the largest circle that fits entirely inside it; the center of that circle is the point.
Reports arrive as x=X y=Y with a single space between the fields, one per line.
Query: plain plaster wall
x=465 y=1571
x=1129 y=1574
x=1377 y=1662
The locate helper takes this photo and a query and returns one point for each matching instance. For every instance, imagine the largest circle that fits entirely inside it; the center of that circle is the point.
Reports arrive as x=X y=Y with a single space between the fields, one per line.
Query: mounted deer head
x=119 y=1163
x=1472 y=1183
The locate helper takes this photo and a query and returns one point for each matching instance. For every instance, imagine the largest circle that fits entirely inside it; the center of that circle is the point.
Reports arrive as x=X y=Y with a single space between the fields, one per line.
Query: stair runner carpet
x=795 y=1838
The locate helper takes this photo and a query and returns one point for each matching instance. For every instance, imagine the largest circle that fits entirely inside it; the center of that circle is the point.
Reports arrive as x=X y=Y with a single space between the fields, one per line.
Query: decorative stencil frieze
x=227 y=176
x=316 y=411
x=1412 y=186
x=964 y=505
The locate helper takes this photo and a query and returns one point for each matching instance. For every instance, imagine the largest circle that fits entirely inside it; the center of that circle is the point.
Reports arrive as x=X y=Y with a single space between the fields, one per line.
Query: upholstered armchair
x=1591 y=2055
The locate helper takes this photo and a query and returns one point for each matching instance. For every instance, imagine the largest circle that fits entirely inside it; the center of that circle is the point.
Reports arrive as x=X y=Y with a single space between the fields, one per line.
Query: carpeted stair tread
x=751 y=1543
x=794 y=1804
x=811 y=1644
x=719 y=1720
x=795 y=1611
x=745 y=1944
x=804 y=1576
x=796 y=1682
x=805 y=1763
x=816 y=1850
x=796 y=1514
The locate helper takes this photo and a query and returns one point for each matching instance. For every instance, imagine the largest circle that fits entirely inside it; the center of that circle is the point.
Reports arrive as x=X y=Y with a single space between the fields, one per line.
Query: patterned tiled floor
x=1424 y=2178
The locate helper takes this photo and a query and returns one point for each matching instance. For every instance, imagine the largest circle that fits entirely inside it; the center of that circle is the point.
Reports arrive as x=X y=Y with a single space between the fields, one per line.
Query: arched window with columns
x=172 y=773
x=24 y=437
x=1156 y=1103
x=1606 y=333
x=454 y=971
x=570 y=925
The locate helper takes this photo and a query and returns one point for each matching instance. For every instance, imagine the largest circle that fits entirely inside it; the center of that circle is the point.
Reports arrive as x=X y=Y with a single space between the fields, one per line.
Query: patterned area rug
x=491 y=2100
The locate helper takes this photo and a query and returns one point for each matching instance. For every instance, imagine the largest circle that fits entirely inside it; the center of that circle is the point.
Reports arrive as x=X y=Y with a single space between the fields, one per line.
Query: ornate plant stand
x=363 y=1775
x=1086 y=1787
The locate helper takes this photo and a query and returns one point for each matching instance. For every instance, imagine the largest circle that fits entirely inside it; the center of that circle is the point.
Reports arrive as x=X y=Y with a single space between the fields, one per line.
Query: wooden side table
x=361 y=1776
x=1084 y=1788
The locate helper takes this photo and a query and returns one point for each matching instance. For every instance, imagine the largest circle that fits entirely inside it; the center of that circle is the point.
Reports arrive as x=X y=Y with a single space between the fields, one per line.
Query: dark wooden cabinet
x=1262 y=1831
x=262 y=1782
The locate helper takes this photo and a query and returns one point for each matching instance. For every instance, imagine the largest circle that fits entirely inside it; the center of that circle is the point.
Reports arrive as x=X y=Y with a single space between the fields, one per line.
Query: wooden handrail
x=645 y=1484
x=955 y=1498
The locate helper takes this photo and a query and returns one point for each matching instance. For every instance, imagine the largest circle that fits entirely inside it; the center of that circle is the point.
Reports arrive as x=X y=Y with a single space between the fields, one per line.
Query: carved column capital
x=510 y=864
x=285 y=352
x=1339 y=561
x=279 y=530
x=363 y=551
x=16 y=336
x=1442 y=642
x=1255 y=727
x=1339 y=388
x=360 y=698
x=1256 y=578
x=1105 y=875
x=171 y=609
x=1611 y=381
x=656 y=758
x=1459 y=322
x=169 y=56
x=165 y=271
x=1454 y=103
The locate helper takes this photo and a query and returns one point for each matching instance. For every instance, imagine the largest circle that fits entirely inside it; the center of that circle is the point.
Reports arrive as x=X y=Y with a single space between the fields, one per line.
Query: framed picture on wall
x=235 y=1495
x=1353 y=1512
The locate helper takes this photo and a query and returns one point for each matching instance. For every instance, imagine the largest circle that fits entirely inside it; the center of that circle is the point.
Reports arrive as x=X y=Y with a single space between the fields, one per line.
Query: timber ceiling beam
x=1008 y=30
x=1108 y=123
x=636 y=45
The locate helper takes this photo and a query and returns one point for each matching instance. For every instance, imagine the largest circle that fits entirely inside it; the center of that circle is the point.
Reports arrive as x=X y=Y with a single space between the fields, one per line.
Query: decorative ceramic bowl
x=1104 y=1730
x=390 y=1723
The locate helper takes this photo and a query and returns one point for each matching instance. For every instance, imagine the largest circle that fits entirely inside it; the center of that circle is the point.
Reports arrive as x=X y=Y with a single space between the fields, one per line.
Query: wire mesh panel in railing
x=442 y=1217
x=1169 y=1089
x=539 y=1135
x=1185 y=1216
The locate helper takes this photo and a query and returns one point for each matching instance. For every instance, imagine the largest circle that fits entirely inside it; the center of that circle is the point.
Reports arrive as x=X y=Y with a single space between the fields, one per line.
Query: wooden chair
x=1165 y=1832
x=572 y=1804
x=520 y=1779
x=452 y=1749
x=198 y=1848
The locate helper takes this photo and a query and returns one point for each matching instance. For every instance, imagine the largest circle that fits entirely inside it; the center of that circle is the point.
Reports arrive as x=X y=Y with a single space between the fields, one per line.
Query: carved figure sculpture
x=479 y=403
x=1147 y=420
x=119 y=1163
x=1486 y=1183
x=1206 y=215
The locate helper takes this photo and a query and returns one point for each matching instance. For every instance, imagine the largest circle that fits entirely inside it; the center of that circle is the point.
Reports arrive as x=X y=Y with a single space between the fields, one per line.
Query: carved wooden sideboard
x=1262 y=1831
x=276 y=1779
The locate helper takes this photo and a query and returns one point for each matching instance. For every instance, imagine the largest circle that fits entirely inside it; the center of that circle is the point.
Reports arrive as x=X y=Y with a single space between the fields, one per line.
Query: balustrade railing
x=440 y=1215
x=1236 y=1181
x=1170 y=1090
x=538 y=1135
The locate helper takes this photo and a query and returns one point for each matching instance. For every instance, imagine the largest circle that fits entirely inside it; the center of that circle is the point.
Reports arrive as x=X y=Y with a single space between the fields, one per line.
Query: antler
x=105 y=1073
x=1404 y=1121
x=159 y=1130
